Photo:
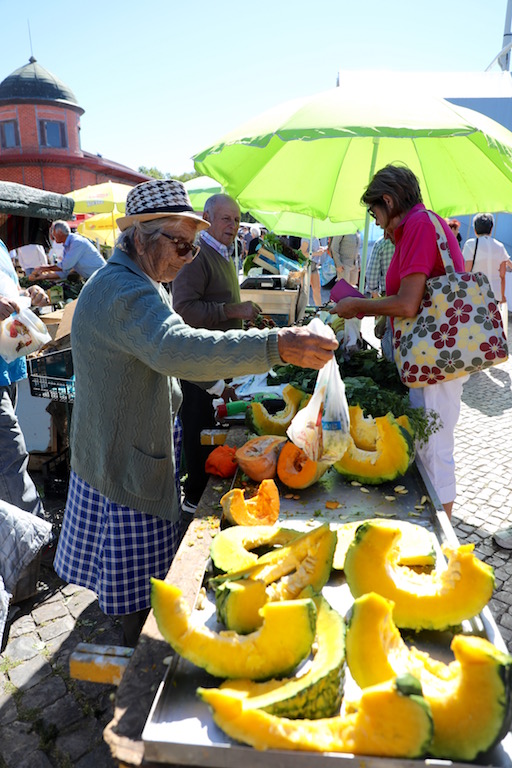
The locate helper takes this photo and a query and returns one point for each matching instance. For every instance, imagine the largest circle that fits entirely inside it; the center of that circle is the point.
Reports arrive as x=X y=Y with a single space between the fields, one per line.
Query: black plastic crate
x=55 y=473
x=51 y=375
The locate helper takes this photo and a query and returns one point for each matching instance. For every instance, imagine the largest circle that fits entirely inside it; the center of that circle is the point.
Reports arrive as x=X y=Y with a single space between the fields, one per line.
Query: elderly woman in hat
x=122 y=520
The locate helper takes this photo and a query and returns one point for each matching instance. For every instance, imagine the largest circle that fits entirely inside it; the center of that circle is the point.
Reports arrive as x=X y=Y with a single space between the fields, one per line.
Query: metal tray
x=180 y=729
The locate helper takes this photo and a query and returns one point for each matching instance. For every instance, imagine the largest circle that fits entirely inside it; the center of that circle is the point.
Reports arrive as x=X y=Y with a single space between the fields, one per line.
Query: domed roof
x=34 y=83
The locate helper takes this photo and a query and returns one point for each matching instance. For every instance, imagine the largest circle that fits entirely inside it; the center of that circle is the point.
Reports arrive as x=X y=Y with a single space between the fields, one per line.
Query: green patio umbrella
x=200 y=189
x=300 y=225
x=316 y=155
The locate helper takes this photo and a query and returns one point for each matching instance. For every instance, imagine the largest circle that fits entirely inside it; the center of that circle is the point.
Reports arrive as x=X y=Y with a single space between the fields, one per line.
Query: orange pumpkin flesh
x=258 y=457
x=296 y=470
x=261 y=509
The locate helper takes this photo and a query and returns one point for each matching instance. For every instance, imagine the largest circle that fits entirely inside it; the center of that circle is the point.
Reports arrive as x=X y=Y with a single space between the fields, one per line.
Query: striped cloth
x=113 y=549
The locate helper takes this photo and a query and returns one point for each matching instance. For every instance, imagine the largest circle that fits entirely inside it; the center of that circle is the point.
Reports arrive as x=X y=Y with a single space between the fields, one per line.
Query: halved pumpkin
x=364 y=428
x=312 y=694
x=437 y=600
x=296 y=470
x=259 y=420
x=261 y=509
x=415 y=545
x=258 y=457
x=284 y=640
x=231 y=547
x=394 y=452
x=238 y=604
x=470 y=697
x=287 y=570
x=389 y=720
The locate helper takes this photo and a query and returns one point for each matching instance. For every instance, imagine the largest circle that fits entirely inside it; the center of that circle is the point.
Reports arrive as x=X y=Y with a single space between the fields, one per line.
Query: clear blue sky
x=161 y=80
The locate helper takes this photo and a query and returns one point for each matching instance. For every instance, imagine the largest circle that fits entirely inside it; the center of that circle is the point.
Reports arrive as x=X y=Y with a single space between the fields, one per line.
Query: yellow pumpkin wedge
x=415 y=545
x=283 y=641
x=259 y=420
x=231 y=549
x=438 y=600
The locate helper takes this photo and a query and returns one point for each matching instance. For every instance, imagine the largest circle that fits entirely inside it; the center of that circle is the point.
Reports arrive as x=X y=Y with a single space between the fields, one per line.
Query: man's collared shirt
x=225 y=251
x=80 y=255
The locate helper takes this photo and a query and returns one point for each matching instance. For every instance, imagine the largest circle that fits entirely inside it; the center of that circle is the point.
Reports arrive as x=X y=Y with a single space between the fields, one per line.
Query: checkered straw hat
x=158 y=199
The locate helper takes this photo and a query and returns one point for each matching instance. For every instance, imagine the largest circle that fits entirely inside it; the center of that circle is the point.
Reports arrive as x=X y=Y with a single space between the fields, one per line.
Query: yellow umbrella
x=101 y=198
x=101 y=227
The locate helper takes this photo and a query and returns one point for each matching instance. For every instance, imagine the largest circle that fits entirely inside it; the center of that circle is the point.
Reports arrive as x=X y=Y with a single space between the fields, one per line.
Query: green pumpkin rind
x=438 y=600
x=470 y=698
x=259 y=420
x=391 y=459
x=317 y=692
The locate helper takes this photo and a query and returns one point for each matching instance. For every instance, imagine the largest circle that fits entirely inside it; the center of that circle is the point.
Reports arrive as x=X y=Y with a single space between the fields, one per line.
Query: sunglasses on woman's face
x=183 y=247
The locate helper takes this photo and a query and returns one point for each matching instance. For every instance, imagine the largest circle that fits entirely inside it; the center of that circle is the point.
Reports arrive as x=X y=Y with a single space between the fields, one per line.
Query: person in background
x=16 y=485
x=30 y=257
x=345 y=252
x=315 y=253
x=122 y=520
x=454 y=225
x=393 y=199
x=375 y=286
x=79 y=255
x=487 y=255
x=255 y=240
x=206 y=293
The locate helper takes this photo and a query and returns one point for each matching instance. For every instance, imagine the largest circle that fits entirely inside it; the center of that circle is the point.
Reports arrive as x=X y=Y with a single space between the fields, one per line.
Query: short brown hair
x=397 y=181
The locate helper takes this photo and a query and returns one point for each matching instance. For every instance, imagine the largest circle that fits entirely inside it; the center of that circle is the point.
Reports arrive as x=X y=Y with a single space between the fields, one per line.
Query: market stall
x=26 y=214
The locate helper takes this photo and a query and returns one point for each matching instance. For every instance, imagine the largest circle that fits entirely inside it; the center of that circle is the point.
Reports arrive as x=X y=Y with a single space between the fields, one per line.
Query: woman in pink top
x=394 y=200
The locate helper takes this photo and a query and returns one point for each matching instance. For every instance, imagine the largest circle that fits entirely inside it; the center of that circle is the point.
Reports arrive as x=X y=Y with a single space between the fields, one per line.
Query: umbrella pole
x=364 y=254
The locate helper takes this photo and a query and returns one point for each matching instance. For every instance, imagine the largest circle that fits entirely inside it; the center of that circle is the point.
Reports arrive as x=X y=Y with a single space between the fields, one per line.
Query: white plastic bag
x=21 y=334
x=322 y=428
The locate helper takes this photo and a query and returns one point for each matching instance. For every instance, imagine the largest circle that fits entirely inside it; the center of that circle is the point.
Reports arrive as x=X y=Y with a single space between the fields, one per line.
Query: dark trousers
x=196 y=413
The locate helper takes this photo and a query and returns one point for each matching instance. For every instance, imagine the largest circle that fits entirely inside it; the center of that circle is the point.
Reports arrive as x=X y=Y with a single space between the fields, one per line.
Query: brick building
x=40 y=136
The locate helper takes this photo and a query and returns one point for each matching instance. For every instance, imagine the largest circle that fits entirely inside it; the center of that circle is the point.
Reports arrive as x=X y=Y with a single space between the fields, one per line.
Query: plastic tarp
x=26 y=213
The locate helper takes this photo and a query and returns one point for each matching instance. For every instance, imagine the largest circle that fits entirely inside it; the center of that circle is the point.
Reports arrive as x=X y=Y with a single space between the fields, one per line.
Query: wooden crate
x=280 y=303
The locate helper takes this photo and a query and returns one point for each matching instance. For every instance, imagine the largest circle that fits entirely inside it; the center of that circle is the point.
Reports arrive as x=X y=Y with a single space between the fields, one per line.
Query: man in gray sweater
x=206 y=294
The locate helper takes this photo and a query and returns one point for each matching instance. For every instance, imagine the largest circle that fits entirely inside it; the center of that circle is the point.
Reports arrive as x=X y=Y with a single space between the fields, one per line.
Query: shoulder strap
x=474 y=255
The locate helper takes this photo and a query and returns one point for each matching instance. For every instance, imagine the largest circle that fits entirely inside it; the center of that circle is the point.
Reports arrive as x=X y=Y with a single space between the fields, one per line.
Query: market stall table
x=158 y=719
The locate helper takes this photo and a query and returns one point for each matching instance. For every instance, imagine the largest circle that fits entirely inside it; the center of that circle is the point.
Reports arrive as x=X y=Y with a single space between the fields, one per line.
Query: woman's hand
x=348 y=307
x=7 y=307
x=301 y=347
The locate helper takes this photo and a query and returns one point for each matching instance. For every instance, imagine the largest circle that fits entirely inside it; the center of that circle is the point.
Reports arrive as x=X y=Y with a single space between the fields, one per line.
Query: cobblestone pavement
x=49 y=720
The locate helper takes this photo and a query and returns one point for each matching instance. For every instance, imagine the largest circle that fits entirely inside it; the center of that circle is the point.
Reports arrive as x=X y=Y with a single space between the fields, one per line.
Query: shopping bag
x=322 y=428
x=21 y=334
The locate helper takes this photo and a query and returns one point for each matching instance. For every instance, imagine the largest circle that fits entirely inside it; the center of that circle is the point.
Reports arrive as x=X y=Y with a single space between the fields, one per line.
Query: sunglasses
x=371 y=212
x=183 y=248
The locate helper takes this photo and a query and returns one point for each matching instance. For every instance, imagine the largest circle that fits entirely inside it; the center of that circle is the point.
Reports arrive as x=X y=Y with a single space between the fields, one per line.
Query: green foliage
x=156 y=173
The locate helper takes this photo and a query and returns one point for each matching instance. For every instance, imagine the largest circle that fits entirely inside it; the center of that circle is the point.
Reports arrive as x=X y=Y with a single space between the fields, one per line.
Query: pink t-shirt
x=416 y=249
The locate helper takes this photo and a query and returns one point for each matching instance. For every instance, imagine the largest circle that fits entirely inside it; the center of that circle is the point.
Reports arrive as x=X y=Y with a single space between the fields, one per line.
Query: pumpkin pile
x=275 y=619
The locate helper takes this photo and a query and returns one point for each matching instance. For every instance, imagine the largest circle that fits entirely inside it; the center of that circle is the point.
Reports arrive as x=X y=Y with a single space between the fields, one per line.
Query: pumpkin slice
x=284 y=640
x=394 y=452
x=287 y=570
x=231 y=547
x=313 y=694
x=296 y=470
x=259 y=420
x=389 y=720
x=415 y=545
x=261 y=509
x=258 y=457
x=362 y=428
x=438 y=600
x=238 y=604
x=470 y=698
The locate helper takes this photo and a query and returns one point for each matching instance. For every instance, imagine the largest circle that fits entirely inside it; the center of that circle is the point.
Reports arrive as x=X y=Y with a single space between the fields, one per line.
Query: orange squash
x=258 y=457
x=296 y=470
x=262 y=509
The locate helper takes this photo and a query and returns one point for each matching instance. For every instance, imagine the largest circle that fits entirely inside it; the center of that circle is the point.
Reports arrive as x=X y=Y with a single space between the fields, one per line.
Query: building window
x=9 y=135
x=52 y=134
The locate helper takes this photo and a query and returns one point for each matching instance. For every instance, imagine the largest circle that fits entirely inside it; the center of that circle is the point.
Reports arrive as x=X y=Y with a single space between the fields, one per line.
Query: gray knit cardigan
x=129 y=349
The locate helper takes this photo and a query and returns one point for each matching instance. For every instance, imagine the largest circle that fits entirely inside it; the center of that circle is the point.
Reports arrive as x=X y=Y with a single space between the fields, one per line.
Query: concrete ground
x=49 y=720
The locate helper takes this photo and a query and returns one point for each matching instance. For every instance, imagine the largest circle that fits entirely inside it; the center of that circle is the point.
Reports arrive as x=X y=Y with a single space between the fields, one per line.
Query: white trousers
x=437 y=453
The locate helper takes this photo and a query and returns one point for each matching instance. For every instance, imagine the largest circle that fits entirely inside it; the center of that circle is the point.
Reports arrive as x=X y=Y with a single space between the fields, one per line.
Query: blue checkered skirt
x=113 y=549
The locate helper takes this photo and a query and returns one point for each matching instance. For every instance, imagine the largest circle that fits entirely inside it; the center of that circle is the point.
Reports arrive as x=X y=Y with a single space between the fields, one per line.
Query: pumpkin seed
x=288 y=496
x=364 y=490
x=399 y=488
x=390 y=498
x=419 y=506
x=296 y=497
x=423 y=499
x=355 y=484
